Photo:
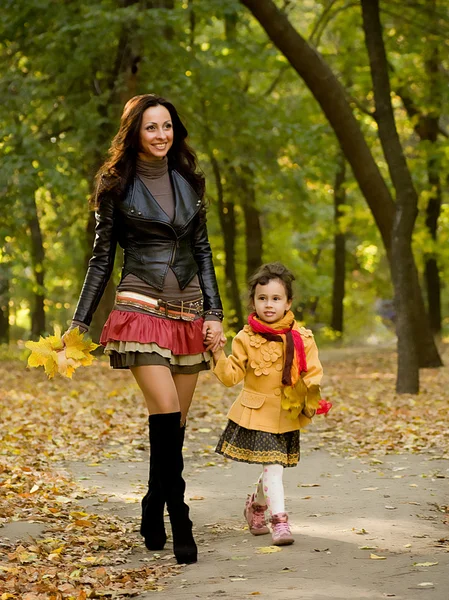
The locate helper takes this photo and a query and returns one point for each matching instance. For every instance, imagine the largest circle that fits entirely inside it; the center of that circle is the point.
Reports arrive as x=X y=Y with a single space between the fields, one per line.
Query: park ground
x=368 y=501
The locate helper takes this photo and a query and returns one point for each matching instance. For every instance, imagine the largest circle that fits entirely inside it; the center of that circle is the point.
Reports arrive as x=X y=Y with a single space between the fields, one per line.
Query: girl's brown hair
x=266 y=273
x=119 y=169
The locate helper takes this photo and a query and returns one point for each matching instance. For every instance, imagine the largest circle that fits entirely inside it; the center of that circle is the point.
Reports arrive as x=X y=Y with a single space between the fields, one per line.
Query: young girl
x=278 y=361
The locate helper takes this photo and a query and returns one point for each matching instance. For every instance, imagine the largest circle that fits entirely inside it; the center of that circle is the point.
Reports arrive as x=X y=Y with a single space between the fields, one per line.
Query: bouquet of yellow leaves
x=63 y=357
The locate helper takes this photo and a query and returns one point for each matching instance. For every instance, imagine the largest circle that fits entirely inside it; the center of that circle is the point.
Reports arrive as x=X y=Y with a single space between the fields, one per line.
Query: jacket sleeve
x=101 y=263
x=312 y=378
x=203 y=256
x=232 y=369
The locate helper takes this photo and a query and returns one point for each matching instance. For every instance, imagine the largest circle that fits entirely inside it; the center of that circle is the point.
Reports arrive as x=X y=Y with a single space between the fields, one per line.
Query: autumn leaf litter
x=100 y=416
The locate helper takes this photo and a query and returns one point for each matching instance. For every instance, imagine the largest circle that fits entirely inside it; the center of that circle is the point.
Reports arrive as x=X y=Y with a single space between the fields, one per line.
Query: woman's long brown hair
x=119 y=169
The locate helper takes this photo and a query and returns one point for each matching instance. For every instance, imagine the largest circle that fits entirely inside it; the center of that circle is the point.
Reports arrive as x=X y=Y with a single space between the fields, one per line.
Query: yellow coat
x=260 y=363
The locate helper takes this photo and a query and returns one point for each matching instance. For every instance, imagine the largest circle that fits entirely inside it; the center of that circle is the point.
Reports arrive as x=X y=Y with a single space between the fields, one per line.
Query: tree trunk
x=226 y=216
x=432 y=274
x=37 y=261
x=427 y=129
x=331 y=96
x=338 y=289
x=4 y=303
x=243 y=183
x=433 y=210
x=402 y=264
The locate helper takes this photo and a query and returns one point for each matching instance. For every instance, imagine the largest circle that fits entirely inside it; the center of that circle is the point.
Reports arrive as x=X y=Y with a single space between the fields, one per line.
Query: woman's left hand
x=213 y=335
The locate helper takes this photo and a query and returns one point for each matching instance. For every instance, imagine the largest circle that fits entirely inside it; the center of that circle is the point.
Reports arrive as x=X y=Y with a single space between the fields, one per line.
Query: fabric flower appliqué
x=260 y=367
x=256 y=340
x=271 y=352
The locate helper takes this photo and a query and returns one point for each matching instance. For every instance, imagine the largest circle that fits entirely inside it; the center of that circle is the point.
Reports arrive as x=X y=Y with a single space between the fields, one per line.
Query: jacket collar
x=187 y=201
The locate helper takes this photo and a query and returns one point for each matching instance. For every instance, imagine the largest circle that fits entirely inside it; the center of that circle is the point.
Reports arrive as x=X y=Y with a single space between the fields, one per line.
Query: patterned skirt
x=134 y=339
x=259 y=447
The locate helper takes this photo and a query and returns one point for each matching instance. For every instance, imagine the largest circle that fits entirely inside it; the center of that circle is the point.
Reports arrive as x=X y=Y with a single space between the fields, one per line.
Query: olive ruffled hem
x=123 y=355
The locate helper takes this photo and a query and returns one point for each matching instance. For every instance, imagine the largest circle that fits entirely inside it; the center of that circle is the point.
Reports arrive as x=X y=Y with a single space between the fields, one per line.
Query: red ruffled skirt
x=136 y=339
x=181 y=337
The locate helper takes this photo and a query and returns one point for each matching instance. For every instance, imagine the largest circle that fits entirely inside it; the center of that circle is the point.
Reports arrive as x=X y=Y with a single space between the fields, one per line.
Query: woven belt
x=181 y=310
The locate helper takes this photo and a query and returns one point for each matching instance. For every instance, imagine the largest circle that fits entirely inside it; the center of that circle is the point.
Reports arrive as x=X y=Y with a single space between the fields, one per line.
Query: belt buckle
x=162 y=306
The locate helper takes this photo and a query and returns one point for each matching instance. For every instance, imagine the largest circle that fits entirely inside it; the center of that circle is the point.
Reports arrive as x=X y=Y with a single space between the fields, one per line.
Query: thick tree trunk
x=37 y=261
x=402 y=264
x=331 y=96
x=338 y=287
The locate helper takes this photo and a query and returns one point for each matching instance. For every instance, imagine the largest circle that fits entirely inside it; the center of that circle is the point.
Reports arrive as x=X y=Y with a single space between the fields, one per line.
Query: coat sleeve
x=102 y=261
x=206 y=272
x=232 y=369
x=312 y=378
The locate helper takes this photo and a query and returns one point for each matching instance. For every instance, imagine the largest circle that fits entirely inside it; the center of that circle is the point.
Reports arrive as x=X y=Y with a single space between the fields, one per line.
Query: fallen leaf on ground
x=268 y=549
x=425 y=564
x=377 y=557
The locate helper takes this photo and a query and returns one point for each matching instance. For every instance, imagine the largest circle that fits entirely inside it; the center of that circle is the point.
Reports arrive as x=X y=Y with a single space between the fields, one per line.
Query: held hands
x=213 y=336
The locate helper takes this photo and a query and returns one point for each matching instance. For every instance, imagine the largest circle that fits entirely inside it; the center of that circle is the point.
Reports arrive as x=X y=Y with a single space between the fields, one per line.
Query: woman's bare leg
x=158 y=387
x=185 y=387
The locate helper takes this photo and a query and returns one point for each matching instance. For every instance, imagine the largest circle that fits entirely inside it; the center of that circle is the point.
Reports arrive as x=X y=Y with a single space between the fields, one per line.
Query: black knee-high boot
x=152 y=526
x=166 y=443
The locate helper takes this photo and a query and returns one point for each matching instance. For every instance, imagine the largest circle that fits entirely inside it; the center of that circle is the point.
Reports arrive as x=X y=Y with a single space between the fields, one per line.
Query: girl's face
x=156 y=133
x=270 y=301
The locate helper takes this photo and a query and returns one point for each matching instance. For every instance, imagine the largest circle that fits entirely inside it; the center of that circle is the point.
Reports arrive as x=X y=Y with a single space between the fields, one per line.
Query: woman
x=150 y=200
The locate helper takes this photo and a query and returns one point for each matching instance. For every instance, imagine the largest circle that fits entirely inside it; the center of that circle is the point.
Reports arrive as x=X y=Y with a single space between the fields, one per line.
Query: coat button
x=139 y=213
x=277 y=392
x=132 y=210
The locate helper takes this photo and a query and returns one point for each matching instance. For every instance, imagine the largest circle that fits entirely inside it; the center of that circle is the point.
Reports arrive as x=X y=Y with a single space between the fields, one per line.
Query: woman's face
x=156 y=133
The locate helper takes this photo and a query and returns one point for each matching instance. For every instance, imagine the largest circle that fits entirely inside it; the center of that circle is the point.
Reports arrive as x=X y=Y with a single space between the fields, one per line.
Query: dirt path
x=343 y=512
x=367 y=526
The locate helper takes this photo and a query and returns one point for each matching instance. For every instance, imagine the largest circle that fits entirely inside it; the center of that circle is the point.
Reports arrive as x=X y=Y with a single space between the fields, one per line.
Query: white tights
x=270 y=489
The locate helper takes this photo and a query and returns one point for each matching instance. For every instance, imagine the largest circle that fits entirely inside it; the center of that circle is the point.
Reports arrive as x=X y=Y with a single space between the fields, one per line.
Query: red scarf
x=295 y=355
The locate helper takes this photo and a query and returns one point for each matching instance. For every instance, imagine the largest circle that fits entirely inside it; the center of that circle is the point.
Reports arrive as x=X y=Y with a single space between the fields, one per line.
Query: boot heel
x=184 y=546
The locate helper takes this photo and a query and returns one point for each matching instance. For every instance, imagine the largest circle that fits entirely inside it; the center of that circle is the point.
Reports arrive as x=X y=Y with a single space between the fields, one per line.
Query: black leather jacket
x=152 y=243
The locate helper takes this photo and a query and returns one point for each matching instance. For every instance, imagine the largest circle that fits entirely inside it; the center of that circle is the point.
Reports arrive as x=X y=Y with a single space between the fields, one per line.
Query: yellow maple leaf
x=61 y=357
x=76 y=346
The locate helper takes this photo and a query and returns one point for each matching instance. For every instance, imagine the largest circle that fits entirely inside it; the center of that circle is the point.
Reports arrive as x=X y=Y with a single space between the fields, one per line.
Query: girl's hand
x=213 y=336
x=217 y=355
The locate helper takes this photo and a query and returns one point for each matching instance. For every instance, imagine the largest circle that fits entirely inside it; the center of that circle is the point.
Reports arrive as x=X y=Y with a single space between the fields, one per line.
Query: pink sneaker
x=281 y=534
x=255 y=516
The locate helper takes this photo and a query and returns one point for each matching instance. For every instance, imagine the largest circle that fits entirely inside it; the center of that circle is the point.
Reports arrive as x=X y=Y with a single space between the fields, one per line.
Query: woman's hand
x=213 y=335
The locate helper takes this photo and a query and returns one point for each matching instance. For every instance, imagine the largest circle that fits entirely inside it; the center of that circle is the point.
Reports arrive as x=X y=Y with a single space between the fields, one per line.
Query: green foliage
x=65 y=73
